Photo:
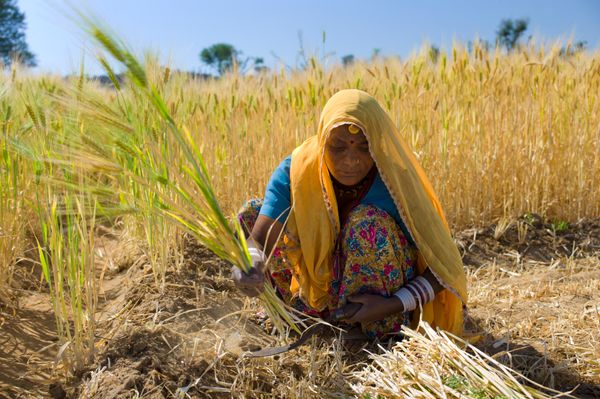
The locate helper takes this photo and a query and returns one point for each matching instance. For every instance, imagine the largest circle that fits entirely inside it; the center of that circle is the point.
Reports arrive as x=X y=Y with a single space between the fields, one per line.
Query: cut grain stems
x=435 y=364
x=180 y=191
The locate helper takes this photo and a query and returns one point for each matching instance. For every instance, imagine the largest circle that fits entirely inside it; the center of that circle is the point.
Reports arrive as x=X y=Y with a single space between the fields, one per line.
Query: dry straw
x=434 y=364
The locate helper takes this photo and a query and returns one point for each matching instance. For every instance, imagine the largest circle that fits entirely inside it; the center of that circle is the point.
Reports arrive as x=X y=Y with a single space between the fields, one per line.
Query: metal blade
x=309 y=332
x=343 y=313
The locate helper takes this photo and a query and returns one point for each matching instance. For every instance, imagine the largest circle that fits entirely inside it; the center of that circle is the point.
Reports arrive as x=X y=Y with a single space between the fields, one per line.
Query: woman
x=360 y=223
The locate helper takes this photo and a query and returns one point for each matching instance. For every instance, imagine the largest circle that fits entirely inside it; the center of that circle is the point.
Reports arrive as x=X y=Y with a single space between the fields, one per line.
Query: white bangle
x=256 y=255
x=408 y=300
x=415 y=294
x=422 y=283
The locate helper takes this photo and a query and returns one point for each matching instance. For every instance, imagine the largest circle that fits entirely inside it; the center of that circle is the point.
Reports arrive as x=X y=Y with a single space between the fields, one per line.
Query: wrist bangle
x=407 y=298
x=256 y=254
x=424 y=286
x=416 y=293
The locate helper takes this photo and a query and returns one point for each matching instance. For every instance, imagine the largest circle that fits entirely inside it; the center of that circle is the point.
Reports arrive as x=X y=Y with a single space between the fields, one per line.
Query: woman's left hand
x=374 y=307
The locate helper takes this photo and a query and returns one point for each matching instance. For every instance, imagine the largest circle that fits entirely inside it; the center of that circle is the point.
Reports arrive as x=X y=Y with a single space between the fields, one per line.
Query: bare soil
x=534 y=304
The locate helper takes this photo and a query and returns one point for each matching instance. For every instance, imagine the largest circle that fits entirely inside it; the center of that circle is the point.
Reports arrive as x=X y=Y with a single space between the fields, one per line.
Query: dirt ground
x=533 y=303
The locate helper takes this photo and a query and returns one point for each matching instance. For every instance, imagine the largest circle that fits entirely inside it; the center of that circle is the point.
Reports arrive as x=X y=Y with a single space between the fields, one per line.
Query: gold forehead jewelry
x=353 y=129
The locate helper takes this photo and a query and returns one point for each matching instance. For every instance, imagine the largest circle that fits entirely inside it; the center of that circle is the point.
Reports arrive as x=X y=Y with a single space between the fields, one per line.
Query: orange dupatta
x=314 y=216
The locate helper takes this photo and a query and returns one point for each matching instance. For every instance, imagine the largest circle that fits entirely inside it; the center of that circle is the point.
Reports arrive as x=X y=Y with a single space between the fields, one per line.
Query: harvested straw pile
x=545 y=319
x=435 y=364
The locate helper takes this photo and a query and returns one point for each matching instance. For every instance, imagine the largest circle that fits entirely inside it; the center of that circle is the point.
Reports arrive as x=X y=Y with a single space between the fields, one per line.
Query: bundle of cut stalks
x=125 y=169
x=436 y=364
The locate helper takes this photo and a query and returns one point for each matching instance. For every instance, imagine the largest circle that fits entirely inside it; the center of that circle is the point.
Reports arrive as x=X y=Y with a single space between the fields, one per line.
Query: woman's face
x=347 y=155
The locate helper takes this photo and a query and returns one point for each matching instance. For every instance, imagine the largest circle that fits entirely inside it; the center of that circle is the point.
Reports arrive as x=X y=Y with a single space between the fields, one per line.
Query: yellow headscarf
x=314 y=217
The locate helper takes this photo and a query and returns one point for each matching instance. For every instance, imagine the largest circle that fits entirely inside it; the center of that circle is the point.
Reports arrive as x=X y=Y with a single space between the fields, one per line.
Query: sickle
x=340 y=314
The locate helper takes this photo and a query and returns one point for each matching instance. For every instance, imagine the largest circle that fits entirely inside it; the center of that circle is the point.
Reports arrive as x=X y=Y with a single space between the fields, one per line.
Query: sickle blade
x=343 y=313
x=309 y=332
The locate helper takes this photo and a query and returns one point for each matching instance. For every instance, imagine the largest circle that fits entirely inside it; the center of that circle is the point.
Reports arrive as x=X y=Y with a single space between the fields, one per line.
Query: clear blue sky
x=179 y=29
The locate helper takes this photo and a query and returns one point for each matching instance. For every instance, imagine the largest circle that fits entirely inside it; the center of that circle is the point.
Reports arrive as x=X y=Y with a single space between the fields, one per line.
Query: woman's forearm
x=432 y=280
x=265 y=233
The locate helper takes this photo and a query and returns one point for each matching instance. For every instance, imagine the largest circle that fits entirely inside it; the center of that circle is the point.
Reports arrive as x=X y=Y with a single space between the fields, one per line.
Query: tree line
x=224 y=57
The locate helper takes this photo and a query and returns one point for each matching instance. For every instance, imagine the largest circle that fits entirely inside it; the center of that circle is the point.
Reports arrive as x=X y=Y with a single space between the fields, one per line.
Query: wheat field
x=500 y=135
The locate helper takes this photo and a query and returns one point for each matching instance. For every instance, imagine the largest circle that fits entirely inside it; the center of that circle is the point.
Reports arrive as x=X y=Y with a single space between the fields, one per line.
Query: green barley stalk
x=10 y=223
x=171 y=186
x=67 y=258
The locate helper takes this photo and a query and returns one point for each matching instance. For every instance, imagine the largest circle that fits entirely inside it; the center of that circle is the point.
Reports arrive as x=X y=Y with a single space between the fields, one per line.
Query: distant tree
x=259 y=65
x=484 y=44
x=220 y=56
x=375 y=53
x=348 y=59
x=223 y=56
x=581 y=45
x=572 y=49
x=510 y=32
x=12 y=34
x=434 y=53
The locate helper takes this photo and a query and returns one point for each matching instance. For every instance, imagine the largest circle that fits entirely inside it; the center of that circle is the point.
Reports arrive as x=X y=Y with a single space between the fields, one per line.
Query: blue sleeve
x=277 y=196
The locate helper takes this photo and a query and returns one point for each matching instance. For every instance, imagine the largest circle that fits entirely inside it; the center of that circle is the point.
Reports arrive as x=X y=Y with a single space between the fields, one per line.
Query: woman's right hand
x=267 y=231
x=253 y=282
